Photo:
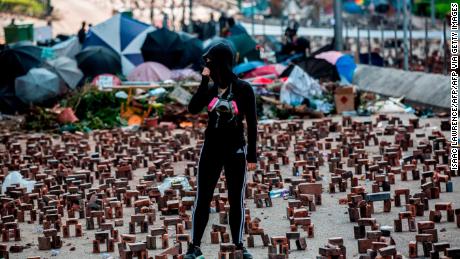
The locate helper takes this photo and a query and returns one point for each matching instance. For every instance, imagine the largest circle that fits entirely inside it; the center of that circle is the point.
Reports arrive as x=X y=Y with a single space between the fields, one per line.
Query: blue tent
x=123 y=35
x=346 y=67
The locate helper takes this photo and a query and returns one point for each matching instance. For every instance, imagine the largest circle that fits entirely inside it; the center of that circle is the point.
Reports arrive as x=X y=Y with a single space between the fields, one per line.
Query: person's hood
x=221 y=65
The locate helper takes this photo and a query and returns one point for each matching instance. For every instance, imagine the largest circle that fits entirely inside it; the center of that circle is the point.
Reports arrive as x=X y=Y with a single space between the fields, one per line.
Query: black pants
x=212 y=159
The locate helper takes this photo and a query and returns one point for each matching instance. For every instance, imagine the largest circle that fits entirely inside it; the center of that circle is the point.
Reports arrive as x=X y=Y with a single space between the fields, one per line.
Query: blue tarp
x=346 y=67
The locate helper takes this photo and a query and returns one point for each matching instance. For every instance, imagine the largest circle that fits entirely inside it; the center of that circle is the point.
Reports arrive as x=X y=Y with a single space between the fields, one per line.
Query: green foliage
x=27 y=7
x=95 y=109
x=38 y=119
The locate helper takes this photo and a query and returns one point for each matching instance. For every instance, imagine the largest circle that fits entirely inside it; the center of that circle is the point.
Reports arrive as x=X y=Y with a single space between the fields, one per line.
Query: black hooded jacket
x=231 y=137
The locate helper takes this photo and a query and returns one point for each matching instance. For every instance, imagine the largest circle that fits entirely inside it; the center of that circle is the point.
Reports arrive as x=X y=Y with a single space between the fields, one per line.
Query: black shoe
x=193 y=252
x=246 y=254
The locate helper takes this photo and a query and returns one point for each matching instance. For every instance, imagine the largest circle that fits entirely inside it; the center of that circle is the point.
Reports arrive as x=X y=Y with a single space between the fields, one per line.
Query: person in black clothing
x=210 y=28
x=229 y=101
x=82 y=33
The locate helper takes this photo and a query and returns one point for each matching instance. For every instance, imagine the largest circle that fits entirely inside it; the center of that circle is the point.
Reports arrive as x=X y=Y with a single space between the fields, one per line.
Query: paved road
x=72 y=13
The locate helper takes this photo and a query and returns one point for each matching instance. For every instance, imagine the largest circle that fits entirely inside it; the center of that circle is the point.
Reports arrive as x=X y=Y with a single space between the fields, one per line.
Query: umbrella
x=273 y=69
x=316 y=68
x=247 y=66
x=67 y=69
x=37 y=86
x=150 y=72
x=193 y=50
x=94 y=61
x=330 y=56
x=163 y=46
x=68 y=48
x=245 y=47
x=237 y=29
x=17 y=61
x=9 y=102
x=124 y=36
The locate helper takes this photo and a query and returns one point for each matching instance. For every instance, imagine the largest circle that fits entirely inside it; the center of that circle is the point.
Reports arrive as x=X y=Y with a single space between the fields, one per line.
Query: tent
x=163 y=46
x=123 y=35
x=94 y=61
x=67 y=69
x=37 y=86
x=150 y=72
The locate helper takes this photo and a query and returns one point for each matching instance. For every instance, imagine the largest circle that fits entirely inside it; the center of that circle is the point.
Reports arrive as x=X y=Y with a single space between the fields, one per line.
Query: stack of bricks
x=398 y=223
x=100 y=237
x=132 y=250
x=436 y=216
x=301 y=217
x=10 y=229
x=379 y=196
x=138 y=220
x=219 y=234
x=152 y=238
x=279 y=247
x=334 y=249
x=364 y=240
x=66 y=228
x=49 y=240
x=254 y=229
x=357 y=206
x=229 y=251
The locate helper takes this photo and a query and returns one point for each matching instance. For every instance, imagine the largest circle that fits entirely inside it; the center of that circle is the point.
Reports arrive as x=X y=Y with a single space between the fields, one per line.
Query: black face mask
x=220 y=64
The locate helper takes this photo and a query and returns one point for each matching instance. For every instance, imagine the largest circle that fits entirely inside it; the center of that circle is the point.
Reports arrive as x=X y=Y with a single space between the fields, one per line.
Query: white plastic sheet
x=16 y=178
x=169 y=181
x=299 y=86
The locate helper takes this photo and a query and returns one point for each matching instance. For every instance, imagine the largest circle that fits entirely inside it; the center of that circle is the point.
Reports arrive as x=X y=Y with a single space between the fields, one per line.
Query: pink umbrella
x=330 y=56
x=275 y=69
x=150 y=72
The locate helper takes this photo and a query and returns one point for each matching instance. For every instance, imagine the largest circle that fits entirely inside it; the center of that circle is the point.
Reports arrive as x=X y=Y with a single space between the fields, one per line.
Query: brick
x=137 y=247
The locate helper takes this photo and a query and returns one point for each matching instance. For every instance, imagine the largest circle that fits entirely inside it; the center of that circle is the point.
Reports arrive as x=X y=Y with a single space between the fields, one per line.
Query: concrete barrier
x=418 y=87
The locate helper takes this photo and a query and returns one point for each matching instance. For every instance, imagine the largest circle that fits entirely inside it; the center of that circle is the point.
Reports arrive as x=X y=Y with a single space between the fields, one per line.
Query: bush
x=26 y=7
